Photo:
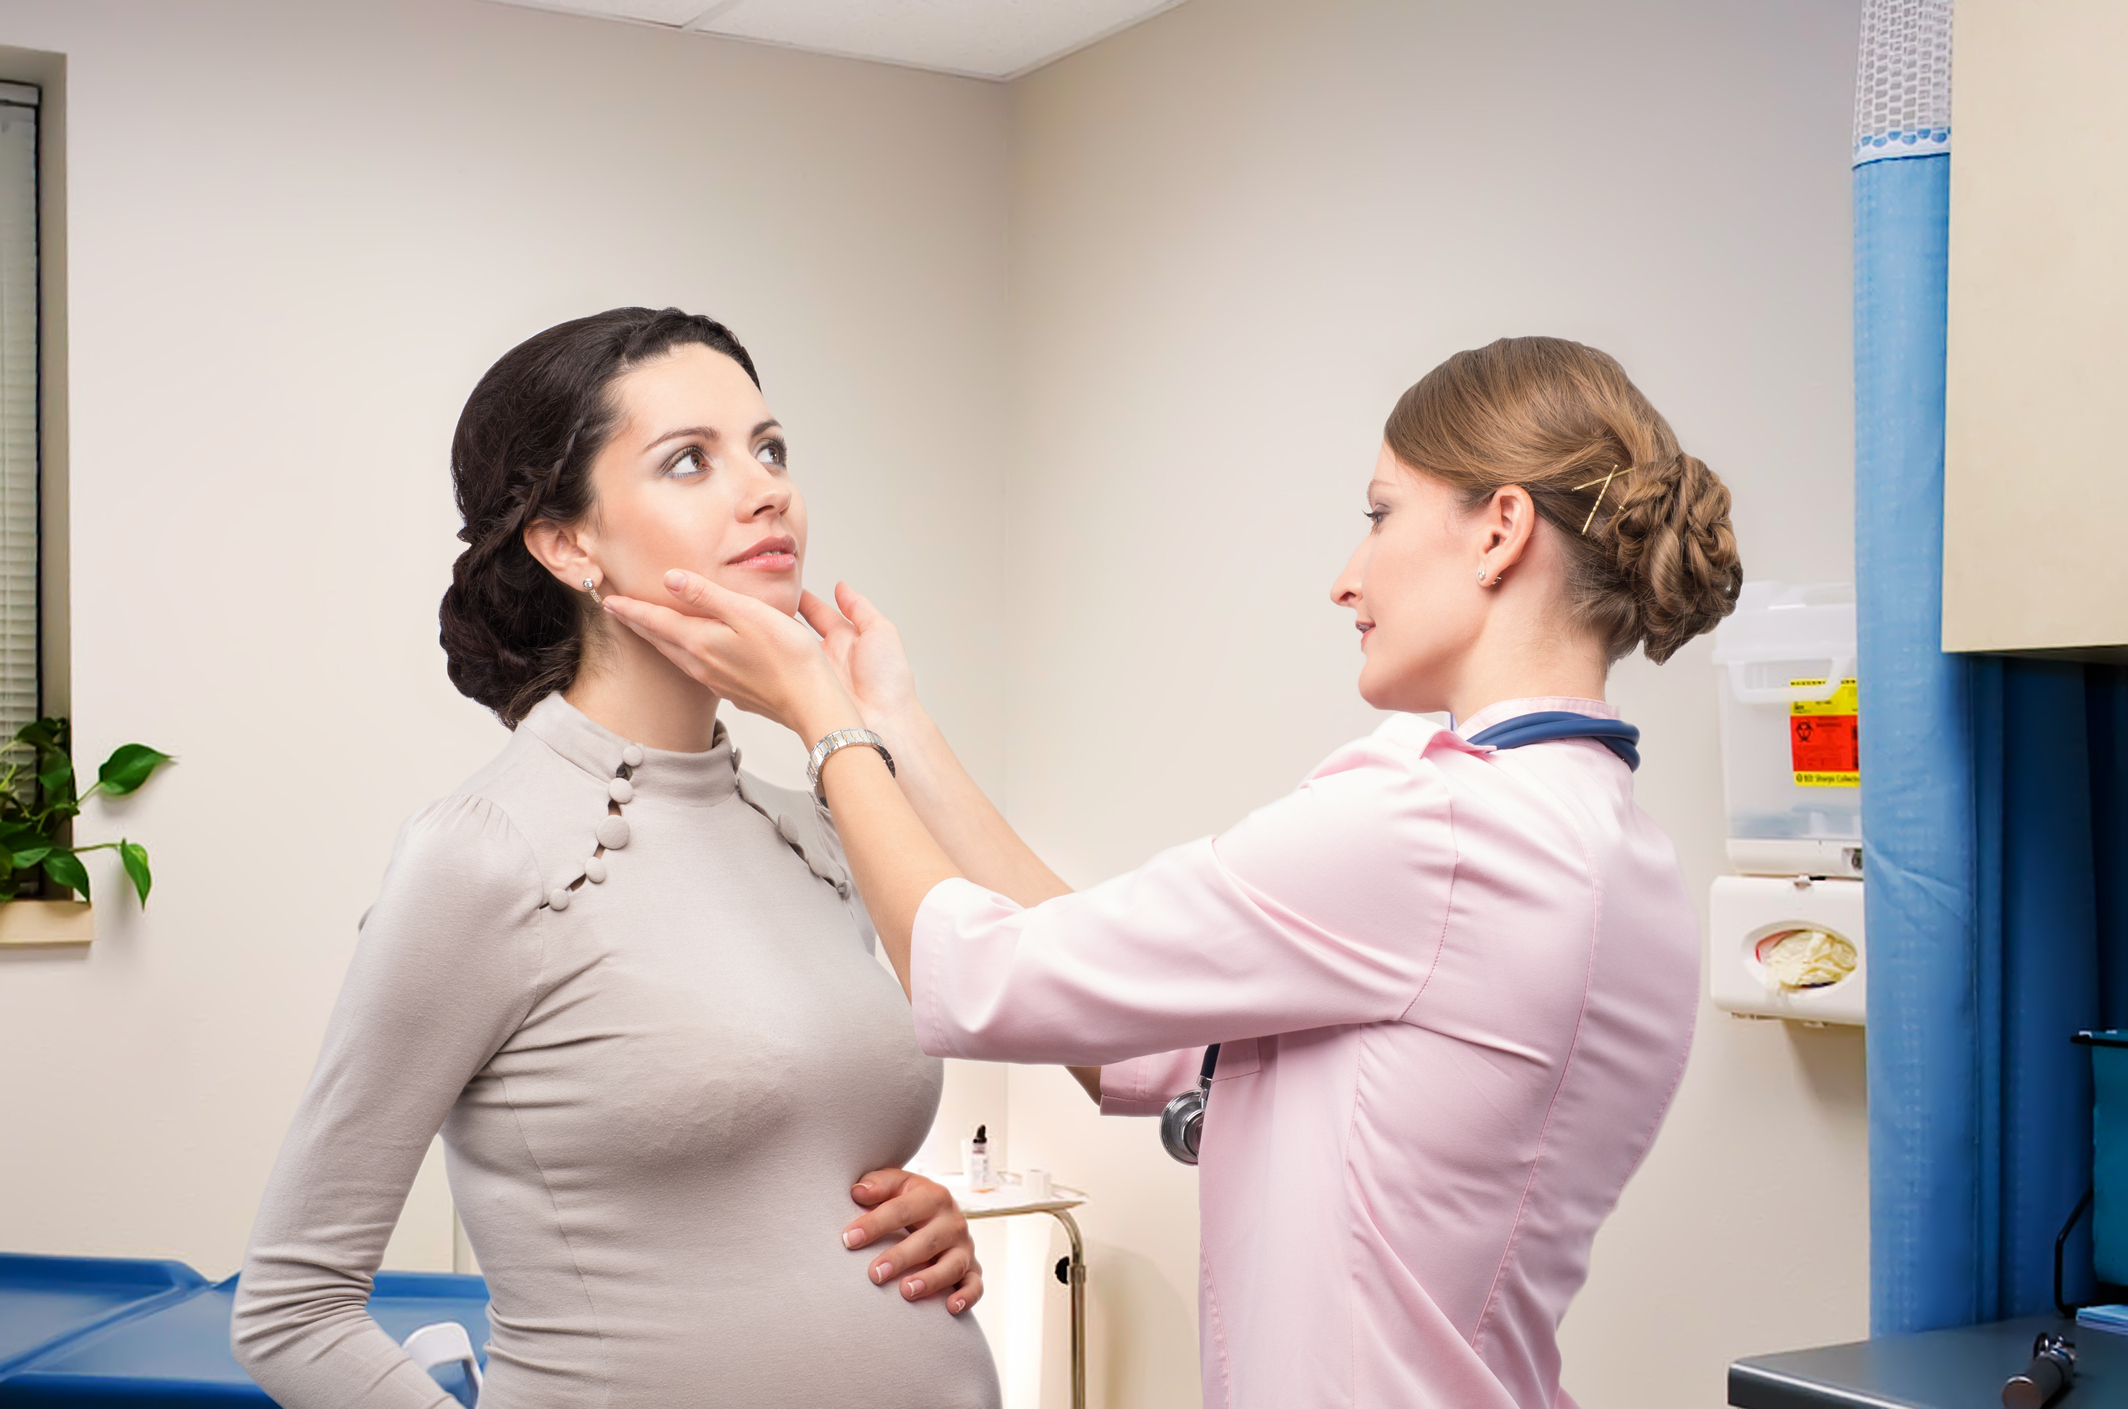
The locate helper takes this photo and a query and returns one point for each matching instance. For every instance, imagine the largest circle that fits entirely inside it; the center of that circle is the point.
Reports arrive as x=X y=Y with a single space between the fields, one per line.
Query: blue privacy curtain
x=1992 y=795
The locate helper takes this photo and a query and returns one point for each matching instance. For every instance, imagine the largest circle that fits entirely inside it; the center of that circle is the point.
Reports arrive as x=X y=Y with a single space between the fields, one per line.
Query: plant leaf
x=135 y=858
x=66 y=868
x=30 y=856
x=42 y=733
x=127 y=768
x=55 y=774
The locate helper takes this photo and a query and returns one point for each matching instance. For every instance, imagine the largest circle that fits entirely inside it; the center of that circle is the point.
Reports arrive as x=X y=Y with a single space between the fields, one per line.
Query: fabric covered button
x=558 y=898
x=632 y=756
x=621 y=790
x=595 y=871
x=612 y=832
x=788 y=830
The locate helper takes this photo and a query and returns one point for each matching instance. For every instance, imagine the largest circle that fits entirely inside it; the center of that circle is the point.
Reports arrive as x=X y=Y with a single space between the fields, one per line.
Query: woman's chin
x=779 y=590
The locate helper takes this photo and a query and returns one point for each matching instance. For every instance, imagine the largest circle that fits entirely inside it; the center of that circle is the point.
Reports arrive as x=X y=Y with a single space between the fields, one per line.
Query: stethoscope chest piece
x=1182 y=1122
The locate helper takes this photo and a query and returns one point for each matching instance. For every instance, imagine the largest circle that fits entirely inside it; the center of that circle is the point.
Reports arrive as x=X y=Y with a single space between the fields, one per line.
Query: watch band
x=842 y=739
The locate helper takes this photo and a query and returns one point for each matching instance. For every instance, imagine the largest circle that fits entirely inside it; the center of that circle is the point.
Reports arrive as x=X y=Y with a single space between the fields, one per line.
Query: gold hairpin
x=1614 y=471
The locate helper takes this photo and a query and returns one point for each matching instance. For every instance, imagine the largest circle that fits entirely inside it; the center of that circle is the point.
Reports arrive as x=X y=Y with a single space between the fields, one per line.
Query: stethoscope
x=1182 y=1122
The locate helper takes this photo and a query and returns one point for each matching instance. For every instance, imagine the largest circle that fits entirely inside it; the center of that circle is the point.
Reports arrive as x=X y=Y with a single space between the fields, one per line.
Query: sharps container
x=2109 y=1153
x=1791 y=748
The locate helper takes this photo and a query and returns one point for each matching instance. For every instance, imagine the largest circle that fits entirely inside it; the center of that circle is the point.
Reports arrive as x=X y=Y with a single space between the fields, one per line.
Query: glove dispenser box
x=1787 y=947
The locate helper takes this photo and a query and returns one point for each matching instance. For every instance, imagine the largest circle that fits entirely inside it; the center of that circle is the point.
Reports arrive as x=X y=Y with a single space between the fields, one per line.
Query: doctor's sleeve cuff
x=951 y=906
x=1144 y=1085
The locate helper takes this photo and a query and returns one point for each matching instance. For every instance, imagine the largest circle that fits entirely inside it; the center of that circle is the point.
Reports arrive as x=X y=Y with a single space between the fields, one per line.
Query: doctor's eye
x=773 y=452
x=688 y=463
x=1375 y=515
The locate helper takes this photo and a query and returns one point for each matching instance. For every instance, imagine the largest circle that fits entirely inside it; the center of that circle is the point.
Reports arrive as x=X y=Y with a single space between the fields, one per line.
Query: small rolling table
x=1962 y=1368
x=1006 y=1201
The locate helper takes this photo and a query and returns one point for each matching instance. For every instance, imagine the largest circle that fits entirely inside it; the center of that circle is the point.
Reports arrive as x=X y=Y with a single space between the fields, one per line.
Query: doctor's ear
x=1506 y=522
x=561 y=550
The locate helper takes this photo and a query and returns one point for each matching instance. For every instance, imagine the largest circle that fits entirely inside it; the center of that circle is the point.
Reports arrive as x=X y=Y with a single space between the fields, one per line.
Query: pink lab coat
x=1456 y=989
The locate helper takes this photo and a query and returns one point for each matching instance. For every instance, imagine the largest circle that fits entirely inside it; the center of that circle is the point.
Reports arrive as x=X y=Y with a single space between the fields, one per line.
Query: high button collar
x=699 y=779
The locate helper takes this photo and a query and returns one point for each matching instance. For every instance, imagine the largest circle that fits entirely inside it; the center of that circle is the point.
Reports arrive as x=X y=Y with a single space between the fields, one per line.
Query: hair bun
x=1650 y=559
x=1672 y=542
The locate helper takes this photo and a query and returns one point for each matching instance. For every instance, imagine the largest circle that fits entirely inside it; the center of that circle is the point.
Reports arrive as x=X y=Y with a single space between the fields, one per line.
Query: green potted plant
x=39 y=797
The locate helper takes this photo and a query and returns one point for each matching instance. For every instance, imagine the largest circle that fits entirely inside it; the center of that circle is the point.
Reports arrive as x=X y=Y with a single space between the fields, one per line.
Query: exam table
x=1961 y=1368
x=121 y=1333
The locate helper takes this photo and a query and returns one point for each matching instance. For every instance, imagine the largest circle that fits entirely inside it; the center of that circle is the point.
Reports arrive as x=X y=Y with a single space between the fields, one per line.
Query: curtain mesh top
x=1903 y=84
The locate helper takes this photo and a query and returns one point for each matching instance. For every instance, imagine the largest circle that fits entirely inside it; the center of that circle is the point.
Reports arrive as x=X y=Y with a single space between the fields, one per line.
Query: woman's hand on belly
x=938 y=1255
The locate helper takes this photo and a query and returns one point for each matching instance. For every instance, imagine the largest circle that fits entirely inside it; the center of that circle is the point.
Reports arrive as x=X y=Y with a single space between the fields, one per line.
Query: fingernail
x=853 y=1237
x=880 y=1272
x=913 y=1288
x=958 y=1305
x=675 y=580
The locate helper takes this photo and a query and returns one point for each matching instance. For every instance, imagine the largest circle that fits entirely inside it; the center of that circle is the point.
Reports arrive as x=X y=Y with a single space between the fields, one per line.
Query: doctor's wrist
x=904 y=726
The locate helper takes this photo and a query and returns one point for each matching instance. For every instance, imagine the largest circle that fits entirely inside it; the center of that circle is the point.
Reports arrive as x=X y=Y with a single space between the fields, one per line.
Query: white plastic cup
x=1034 y=1185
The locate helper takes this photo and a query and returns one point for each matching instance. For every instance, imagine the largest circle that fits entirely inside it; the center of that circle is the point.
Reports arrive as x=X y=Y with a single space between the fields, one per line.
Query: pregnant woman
x=632 y=985
x=1452 y=977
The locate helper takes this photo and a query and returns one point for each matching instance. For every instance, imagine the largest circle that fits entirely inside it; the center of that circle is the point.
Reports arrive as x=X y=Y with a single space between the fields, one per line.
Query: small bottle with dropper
x=976 y=1161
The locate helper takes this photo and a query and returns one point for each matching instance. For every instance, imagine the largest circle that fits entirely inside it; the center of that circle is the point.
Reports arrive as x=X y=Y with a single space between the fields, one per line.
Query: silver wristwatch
x=842 y=739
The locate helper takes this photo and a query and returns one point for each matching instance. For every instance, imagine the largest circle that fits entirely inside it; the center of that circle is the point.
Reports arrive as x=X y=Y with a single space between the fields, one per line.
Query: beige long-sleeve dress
x=635 y=991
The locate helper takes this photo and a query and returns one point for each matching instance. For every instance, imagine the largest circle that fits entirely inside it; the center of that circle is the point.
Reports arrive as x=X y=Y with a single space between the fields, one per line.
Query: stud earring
x=591 y=586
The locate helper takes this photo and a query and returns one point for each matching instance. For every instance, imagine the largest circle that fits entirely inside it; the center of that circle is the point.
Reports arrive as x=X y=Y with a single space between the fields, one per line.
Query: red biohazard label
x=1824 y=745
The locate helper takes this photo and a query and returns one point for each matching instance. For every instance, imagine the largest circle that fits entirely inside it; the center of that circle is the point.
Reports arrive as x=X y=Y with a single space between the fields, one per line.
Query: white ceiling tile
x=983 y=38
x=991 y=38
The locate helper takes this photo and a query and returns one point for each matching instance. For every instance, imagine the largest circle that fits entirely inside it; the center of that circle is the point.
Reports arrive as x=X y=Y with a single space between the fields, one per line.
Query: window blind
x=20 y=628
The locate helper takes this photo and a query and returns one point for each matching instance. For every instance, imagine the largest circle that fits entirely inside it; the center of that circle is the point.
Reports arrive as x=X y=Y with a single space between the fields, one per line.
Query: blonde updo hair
x=1651 y=558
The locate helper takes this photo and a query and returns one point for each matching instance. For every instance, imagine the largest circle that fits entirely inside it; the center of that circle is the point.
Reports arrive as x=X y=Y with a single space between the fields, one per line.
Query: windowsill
x=46 y=923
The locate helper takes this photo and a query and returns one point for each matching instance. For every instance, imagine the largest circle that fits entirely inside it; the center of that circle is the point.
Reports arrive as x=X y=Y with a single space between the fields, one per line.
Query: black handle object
x=2053 y=1369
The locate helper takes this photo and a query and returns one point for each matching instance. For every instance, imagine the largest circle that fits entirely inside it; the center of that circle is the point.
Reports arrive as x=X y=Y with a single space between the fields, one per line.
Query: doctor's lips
x=1363 y=627
x=777 y=554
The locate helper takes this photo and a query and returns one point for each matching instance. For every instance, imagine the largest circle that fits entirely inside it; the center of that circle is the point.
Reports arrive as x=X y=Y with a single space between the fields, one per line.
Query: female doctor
x=1451 y=977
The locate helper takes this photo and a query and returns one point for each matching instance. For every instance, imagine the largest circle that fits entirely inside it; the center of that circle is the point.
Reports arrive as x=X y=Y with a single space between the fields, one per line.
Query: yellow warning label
x=1824 y=745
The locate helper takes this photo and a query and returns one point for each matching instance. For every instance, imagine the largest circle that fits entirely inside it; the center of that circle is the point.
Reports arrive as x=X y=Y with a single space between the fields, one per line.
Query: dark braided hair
x=523 y=452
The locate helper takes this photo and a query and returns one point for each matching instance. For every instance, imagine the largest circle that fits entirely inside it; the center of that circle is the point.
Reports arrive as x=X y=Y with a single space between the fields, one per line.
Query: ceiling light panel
x=982 y=38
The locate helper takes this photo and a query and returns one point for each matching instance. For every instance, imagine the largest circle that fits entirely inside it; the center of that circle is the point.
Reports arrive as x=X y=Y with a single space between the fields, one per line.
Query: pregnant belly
x=768 y=1315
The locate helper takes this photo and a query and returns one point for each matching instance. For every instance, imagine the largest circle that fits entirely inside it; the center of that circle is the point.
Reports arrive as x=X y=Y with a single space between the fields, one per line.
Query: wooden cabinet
x=2035 y=554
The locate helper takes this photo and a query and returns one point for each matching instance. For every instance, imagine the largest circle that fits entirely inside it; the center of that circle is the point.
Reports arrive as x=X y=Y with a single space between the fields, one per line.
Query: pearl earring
x=591 y=586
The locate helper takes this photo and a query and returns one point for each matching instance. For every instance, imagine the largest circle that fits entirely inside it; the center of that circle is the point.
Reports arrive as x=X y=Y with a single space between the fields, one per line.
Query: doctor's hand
x=866 y=652
x=745 y=651
x=937 y=1258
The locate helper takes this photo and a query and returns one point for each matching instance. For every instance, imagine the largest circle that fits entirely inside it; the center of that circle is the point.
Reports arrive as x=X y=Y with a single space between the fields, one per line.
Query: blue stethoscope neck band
x=1616 y=735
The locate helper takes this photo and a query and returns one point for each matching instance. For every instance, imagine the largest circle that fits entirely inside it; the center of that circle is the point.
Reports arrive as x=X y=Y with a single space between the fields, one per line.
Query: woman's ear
x=561 y=550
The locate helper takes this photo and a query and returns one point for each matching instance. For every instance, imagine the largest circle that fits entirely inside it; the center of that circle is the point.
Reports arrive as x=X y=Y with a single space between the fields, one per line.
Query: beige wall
x=299 y=233
x=1239 y=231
